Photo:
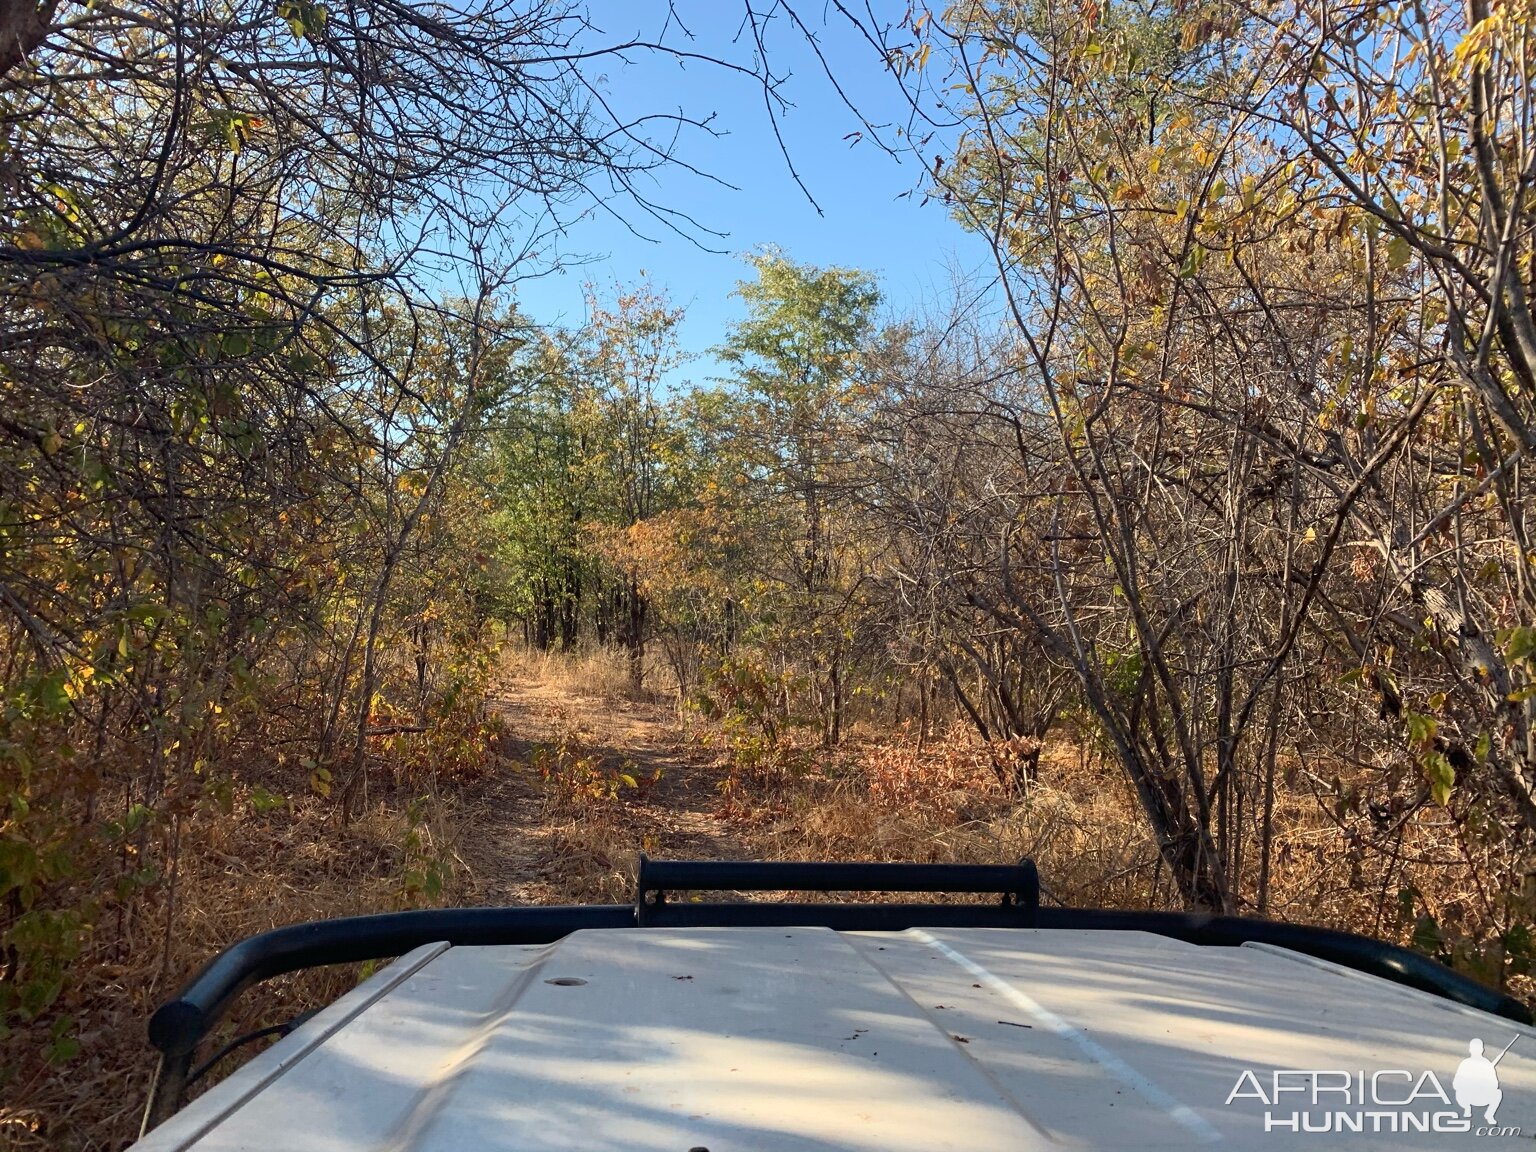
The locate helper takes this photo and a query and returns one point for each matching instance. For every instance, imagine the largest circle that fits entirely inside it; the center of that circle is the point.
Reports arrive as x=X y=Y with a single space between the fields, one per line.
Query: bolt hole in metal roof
x=1047 y=1038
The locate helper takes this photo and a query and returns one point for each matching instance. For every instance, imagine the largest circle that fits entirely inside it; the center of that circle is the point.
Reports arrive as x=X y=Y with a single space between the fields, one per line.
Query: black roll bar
x=179 y=1025
x=1019 y=885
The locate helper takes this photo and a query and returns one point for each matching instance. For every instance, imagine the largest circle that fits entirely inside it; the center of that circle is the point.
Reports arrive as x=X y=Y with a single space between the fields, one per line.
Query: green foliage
x=751 y=701
x=542 y=484
x=1494 y=957
x=428 y=863
x=264 y=801
x=806 y=331
x=804 y=389
x=579 y=782
x=744 y=694
x=46 y=943
x=1519 y=645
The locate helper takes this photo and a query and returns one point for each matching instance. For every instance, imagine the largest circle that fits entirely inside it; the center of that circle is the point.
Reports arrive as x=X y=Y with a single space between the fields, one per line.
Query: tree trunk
x=634 y=635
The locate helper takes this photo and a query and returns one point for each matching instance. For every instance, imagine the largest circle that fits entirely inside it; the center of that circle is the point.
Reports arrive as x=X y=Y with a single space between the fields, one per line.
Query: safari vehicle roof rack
x=179 y=1026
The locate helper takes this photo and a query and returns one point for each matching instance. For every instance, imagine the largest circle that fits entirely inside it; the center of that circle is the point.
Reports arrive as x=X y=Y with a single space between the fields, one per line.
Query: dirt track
x=519 y=852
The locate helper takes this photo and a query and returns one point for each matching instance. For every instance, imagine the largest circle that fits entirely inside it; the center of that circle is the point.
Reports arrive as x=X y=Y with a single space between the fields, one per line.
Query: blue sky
x=865 y=222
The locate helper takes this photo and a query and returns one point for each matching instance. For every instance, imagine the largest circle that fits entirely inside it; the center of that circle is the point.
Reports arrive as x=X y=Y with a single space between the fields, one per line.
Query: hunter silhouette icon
x=1477 y=1081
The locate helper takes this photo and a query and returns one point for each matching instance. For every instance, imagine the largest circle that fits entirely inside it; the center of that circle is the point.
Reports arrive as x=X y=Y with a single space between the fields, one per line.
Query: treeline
x=711 y=525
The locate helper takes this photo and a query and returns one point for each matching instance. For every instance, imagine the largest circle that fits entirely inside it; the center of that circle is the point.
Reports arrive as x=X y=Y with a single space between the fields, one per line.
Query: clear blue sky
x=865 y=222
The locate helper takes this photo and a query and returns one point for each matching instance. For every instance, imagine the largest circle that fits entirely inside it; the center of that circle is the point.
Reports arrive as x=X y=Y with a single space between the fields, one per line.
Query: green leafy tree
x=800 y=357
x=538 y=466
x=629 y=349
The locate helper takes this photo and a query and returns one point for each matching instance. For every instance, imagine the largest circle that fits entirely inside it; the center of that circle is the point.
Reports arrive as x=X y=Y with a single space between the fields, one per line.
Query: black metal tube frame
x=178 y=1026
x=1018 y=884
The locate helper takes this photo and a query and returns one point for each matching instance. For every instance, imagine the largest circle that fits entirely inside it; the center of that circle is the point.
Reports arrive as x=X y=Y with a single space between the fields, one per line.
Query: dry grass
x=589 y=862
x=878 y=801
x=596 y=673
x=237 y=875
x=1080 y=823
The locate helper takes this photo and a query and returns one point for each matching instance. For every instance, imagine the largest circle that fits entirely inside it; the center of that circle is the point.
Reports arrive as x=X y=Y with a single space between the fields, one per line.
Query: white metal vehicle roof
x=759 y=1039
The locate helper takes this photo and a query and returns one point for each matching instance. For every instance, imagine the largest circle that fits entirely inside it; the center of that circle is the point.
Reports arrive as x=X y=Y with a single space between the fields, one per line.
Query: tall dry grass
x=596 y=672
x=887 y=802
x=251 y=871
